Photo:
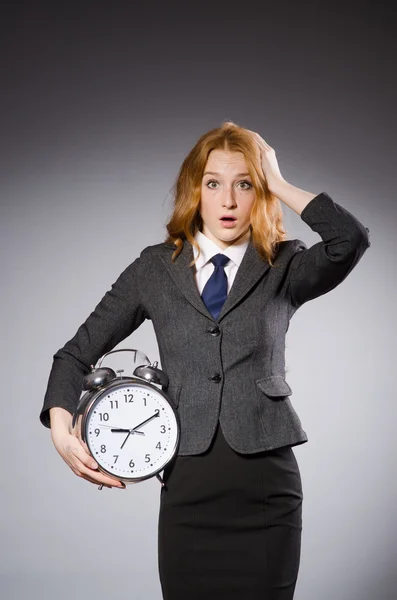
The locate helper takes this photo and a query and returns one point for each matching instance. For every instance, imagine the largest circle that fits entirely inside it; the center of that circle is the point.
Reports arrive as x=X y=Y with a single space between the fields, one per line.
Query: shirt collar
x=209 y=248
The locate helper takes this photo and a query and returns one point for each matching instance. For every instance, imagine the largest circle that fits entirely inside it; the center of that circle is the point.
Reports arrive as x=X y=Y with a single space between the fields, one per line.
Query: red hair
x=266 y=214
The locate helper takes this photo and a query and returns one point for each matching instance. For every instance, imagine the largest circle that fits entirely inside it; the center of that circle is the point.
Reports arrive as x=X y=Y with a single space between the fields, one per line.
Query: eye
x=211 y=181
x=247 y=183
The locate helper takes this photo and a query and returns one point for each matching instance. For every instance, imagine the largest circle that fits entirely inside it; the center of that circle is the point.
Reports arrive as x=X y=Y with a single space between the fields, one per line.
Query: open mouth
x=228 y=219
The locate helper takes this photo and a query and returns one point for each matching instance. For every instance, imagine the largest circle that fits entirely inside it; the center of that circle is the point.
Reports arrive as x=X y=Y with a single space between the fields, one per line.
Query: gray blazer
x=232 y=368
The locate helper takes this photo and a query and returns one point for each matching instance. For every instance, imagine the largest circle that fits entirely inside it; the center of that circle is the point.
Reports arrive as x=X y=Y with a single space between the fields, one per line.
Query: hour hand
x=121 y=430
x=118 y=430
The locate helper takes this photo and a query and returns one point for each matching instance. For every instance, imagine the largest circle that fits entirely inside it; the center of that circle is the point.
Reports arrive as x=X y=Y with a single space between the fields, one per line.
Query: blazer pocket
x=274 y=386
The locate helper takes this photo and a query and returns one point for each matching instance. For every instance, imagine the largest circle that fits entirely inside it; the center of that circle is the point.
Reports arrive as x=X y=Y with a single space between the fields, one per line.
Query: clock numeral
x=147 y=457
x=157 y=411
x=162 y=429
x=114 y=403
x=104 y=416
x=97 y=431
x=158 y=445
x=131 y=463
x=103 y=448
x=115 y=456
x=128 y=397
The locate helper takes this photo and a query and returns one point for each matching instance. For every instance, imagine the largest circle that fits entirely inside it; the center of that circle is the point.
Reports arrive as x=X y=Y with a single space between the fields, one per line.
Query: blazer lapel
x=183 y=275
x=252 y=267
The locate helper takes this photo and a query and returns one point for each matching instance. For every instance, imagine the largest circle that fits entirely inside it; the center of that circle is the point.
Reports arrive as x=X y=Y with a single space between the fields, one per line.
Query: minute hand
x=146 y=421
x=133 y=430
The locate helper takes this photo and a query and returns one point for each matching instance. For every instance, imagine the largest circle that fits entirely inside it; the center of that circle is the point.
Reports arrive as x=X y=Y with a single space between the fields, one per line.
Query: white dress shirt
x=204 y=266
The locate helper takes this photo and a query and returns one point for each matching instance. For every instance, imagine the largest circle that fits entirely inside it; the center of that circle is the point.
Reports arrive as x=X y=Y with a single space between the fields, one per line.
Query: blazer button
x=214 y=330
x=217 y=377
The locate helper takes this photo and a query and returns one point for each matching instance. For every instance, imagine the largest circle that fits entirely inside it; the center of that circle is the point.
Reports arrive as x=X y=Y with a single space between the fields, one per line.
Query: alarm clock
x=127 y=424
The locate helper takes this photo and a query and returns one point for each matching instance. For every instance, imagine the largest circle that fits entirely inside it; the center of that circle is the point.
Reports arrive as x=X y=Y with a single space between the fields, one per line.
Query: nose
x=228 y=200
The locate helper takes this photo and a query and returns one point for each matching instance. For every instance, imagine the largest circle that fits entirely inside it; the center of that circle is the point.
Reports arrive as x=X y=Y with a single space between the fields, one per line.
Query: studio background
x=100 y=104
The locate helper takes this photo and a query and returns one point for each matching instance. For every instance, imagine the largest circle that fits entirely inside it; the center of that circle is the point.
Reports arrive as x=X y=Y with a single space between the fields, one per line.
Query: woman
x=220 y=292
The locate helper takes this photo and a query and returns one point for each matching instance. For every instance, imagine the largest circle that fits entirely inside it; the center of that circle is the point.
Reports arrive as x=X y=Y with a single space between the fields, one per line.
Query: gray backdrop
x=100 y=105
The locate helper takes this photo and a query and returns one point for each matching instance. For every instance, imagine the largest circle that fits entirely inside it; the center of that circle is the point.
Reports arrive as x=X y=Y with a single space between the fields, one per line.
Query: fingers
x=82 y=464
x=78 y=450
x=92 y=475
x=98 y=480
x=261 y=142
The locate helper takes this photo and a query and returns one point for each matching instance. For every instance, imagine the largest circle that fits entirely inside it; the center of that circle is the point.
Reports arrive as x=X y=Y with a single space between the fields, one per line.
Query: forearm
x=292 y=196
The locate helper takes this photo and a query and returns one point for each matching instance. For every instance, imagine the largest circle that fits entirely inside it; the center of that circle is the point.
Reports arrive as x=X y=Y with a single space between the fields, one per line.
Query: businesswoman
x=220 y=291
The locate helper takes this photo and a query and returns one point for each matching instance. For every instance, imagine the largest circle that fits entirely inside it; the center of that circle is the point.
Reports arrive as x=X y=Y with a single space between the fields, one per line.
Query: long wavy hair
x=266 y=214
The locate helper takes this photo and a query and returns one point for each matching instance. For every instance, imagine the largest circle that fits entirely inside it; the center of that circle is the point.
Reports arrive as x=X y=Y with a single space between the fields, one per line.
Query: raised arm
x=315 y=271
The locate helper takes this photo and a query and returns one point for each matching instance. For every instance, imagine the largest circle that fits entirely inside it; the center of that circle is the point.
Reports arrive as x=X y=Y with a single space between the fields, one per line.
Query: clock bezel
x=87 y=403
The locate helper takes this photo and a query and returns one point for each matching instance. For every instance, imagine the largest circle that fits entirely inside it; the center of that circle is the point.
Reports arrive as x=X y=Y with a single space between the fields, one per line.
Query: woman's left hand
x=268 y=159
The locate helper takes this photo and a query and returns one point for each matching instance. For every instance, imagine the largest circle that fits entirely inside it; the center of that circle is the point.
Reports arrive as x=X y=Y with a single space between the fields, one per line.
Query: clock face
x=131 y=431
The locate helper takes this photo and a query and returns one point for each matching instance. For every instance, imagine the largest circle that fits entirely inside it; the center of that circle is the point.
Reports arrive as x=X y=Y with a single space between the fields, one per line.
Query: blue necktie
x=215 y=290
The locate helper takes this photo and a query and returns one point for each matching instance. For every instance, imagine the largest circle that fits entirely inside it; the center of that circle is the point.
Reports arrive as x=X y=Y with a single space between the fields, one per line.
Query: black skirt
x=230 y=525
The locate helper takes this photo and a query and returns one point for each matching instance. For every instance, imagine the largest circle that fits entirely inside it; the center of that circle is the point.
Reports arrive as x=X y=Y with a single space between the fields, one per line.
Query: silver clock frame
x=102 y=385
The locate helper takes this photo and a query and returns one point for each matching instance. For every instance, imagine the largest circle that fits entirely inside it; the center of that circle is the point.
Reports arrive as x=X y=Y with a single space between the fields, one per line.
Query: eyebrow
x=237 y=175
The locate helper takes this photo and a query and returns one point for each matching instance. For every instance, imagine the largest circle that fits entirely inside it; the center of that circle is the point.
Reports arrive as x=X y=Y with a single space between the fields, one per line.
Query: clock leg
x=160 y=480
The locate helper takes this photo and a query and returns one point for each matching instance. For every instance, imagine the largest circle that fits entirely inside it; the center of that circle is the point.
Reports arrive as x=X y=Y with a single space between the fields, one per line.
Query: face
x=226 y=191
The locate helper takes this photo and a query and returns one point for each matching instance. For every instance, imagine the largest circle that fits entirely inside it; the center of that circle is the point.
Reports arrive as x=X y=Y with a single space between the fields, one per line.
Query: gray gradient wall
x=100 y=105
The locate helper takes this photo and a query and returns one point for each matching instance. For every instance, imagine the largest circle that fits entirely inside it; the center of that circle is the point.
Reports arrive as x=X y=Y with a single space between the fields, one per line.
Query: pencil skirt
x=230 y=525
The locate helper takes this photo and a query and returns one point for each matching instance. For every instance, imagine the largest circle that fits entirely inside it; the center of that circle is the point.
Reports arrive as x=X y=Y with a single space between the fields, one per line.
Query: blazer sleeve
x=116 y=316
x=315 y=271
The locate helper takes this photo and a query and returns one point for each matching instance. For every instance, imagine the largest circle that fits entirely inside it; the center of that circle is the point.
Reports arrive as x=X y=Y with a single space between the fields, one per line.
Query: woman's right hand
x=74 y=453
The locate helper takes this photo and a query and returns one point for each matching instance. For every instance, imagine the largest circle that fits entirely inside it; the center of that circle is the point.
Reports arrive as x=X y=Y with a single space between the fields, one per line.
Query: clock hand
x=108 y=426
x=146 y=421
x=117 y=429
x=129 y=433
x=134 y=430
x=124 y=430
